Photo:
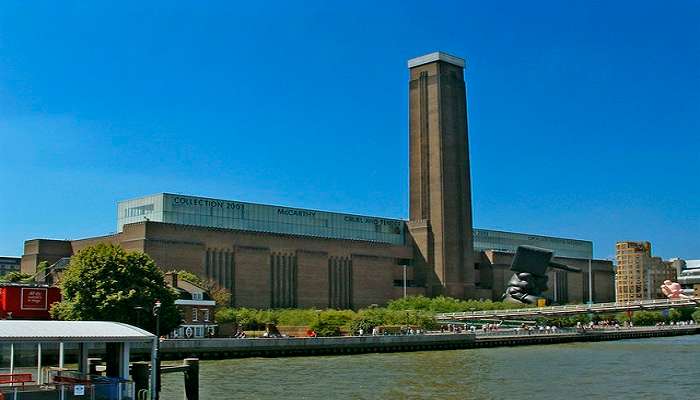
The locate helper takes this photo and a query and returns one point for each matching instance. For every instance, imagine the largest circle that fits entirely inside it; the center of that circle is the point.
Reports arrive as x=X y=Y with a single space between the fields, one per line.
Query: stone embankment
x=285 y=347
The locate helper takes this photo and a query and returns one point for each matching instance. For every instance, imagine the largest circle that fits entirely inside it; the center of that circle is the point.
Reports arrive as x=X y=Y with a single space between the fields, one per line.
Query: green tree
x=106 y=283
x=16 y=277
x=41 y=268
x=329 y=322
x=696 y=315
x=190 y=277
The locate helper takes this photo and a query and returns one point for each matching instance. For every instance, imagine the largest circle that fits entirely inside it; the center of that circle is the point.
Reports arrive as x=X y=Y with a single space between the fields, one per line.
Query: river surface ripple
x=655 y=368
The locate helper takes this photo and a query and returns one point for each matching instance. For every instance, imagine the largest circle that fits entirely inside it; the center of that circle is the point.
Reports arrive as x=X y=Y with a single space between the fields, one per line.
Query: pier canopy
x=39 y=359
x=71 y=331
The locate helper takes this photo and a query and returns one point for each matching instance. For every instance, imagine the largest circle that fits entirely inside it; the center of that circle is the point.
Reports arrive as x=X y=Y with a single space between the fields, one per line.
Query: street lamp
x=404 y=280
x=590 y=281
x=156 y=314
x=138 y=310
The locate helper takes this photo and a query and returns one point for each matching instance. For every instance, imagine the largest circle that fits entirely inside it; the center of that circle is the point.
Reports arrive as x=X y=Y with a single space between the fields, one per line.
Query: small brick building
x=196 y=307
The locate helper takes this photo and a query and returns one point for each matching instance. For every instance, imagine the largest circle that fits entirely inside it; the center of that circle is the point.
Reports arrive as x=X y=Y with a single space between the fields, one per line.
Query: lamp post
x=590 y=281
x=138 y=310
x=156 y=314
x=404 y=280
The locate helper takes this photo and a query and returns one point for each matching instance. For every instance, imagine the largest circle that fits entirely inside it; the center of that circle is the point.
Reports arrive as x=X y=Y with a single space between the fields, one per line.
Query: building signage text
x=34 y=299
x=197 y=202
x=300 y=213
x=370 y=220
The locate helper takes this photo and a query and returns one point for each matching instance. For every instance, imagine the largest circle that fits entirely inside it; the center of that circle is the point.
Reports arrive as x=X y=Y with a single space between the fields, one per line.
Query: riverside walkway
x=534 y=312
x=175 y=349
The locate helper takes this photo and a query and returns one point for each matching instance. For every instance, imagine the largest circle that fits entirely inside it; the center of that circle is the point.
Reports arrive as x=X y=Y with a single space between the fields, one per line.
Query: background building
x=485 y=239
x=238 y=215
x=639 y=275
x=274 y=256
x=688 y=276
x=9 y=264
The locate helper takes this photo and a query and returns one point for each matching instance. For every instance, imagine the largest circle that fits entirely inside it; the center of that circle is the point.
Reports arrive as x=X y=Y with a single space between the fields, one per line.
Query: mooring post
x=192 y=378
x=140 y=373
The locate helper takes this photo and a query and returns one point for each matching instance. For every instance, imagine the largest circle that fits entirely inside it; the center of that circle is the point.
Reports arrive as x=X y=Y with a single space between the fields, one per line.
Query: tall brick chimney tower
x=440 y=221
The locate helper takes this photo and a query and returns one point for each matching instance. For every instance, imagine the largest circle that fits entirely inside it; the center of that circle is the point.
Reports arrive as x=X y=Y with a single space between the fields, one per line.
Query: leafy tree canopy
x=106 y=283
x=16 y=277
x=190 y=277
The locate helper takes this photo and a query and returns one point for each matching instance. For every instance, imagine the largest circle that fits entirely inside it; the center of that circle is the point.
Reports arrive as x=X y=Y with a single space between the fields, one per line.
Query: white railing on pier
x=535 y=331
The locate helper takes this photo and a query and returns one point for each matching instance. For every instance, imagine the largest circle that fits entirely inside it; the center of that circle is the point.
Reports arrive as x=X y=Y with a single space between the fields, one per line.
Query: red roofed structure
x=27 y=301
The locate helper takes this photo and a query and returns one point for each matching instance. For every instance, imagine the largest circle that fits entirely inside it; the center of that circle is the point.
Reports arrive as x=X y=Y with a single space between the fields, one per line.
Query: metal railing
x=95 y=391
x=587 y=329
x=68 y=385
x=569 y=309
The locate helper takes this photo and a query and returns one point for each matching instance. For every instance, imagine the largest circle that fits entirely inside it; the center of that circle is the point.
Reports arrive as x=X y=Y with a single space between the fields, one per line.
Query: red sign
x=34 y=299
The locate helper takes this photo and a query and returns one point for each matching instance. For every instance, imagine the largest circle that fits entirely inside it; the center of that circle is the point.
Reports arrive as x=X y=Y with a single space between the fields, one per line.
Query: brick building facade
x=271 y=256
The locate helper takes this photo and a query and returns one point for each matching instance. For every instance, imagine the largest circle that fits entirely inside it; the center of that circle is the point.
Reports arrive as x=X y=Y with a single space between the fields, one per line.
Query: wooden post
x=192 y=379
x=139 y=374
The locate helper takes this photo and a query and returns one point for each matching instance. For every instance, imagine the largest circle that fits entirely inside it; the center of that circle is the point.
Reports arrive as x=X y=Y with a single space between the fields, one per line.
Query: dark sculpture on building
x=530 y=278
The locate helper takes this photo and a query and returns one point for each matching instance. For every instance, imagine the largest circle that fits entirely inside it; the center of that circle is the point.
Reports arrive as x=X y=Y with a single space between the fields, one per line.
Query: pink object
x=673 y=290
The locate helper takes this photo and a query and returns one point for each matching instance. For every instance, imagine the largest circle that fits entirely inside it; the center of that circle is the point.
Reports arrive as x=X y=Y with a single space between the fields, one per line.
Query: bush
x=647 y=318
x=696 y=315
x=686 y=313
x=444 y=304
x=416 y=311
x=330 y=322
x=297 y=317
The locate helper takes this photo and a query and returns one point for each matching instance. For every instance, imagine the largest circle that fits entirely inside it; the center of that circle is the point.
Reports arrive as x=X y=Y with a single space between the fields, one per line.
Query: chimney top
x=436 y=56
x=171 y=278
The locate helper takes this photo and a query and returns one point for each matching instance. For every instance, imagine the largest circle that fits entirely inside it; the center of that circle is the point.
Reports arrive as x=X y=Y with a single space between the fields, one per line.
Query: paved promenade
x=285 y=347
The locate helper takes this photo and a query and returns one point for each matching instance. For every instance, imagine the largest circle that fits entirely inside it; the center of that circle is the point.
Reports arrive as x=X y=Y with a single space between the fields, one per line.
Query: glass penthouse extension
x=509 y=241
x=215 y=213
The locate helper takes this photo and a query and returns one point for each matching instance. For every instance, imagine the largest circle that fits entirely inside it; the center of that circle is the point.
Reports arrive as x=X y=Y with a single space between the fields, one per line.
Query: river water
x=655 y=368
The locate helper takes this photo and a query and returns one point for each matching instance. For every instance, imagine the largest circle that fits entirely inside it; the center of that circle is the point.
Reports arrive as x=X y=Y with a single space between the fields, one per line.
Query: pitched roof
x=71 y=331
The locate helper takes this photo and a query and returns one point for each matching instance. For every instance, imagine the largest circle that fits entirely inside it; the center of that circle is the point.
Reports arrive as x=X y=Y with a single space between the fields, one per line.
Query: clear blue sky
x=583 y=116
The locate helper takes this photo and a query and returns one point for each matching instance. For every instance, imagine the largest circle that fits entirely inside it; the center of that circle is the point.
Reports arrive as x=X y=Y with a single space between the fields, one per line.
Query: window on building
x=205 y=315
x=195 y=316
x=140 y=210
x=197 y=296
x=198 y=331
